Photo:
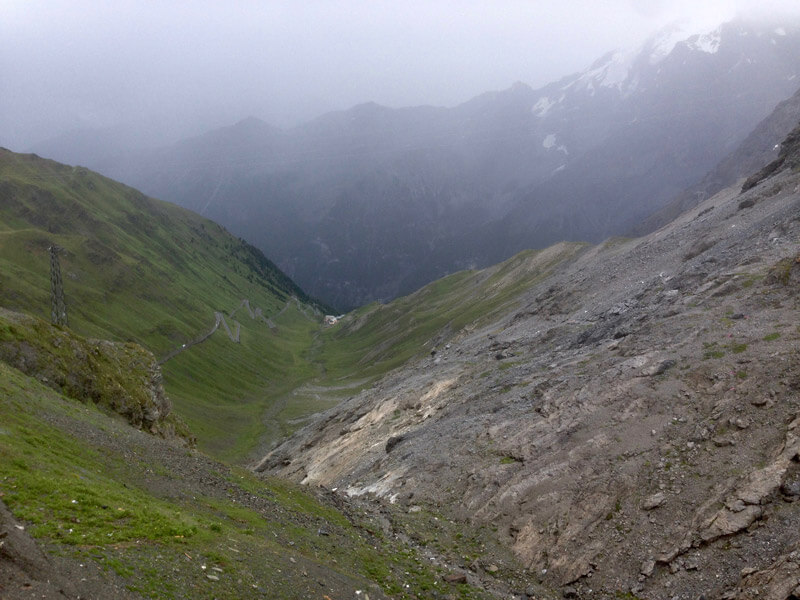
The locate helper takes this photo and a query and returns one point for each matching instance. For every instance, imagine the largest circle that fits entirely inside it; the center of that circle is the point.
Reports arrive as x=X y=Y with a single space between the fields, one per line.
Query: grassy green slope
x=143 y=270
x=377 y=338
x=245 y=387
x=157 y=268
x=163 y=518
x=121 y=378
x=139 y=269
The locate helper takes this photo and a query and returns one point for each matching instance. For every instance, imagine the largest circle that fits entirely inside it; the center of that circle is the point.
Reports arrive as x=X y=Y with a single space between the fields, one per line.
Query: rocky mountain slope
x=371 y=203
x=632 y=430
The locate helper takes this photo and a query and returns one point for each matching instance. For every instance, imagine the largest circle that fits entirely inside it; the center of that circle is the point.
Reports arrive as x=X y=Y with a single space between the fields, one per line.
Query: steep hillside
x=788 y=159
x=121 y=378
x=371 y=203
x=91 y=508
x=377 y=338
x=630 y=431
x=137 y=269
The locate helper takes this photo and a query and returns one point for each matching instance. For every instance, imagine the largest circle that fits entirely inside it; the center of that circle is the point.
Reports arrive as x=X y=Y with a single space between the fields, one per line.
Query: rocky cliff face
x=631 y=430
x=788 y=158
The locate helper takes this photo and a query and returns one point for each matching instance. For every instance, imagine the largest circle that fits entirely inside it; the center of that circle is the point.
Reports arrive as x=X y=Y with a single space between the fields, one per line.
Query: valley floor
x=629 y=430
x=118 y=513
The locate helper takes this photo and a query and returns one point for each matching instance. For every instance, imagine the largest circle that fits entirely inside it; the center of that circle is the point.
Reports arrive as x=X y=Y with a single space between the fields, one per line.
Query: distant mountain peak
x=252 y=121
x=611 y=71
x=619 y=69
x=663 y=42
x=708 y=42
x=368 y=107
x=520 y=86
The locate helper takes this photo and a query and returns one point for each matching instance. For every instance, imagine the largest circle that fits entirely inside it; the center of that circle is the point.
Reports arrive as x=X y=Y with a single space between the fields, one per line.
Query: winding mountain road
x=233 y=334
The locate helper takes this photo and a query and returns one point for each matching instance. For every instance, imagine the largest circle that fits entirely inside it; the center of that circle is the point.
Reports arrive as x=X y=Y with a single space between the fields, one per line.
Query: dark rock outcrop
x=788 y=158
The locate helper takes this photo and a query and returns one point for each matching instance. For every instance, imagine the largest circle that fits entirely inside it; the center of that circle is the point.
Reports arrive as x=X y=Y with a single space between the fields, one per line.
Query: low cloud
x=178 y=67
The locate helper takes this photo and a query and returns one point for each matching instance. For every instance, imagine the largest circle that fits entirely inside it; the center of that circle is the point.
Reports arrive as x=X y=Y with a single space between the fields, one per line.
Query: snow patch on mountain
x=618 y=69
x=542 y=106
x=708 y=43
x=693 y=34
x=780 y=31
x=612 y=70
x=665 y=43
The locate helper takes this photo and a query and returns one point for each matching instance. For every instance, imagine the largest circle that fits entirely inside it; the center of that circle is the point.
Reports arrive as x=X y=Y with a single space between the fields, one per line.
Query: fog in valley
x=154 y=72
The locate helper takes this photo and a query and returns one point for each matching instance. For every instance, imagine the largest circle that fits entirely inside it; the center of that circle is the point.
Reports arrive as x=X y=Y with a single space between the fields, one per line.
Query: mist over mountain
x=760 y=147
x=556 y=419
x=372 y=202
x=627 y=424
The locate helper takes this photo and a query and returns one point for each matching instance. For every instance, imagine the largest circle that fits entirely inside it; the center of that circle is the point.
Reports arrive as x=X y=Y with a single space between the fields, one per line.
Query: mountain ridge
x=760 y=147
x=142 y=270
x=622 y=431
x=448 y=188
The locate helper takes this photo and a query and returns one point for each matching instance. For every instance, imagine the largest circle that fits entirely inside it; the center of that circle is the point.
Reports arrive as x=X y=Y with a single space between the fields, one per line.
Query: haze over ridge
x=159 y=72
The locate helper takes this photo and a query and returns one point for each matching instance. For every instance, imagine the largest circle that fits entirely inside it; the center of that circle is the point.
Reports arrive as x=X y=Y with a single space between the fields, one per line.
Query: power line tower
x=58 y=307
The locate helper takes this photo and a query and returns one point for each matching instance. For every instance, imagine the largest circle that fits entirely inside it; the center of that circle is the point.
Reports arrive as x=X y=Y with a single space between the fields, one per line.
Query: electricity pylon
x=58 y=307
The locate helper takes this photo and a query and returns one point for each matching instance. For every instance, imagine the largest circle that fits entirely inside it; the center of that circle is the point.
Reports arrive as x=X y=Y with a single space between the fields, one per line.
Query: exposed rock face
x=640 y=436
x=124 y=378
x=778 y=581
x=788 y=158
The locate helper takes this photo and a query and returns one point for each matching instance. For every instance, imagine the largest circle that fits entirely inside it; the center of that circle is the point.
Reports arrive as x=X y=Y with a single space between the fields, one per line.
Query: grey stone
x=791 y=488
x=659 y=368
x=654 y=501
x=648 y=567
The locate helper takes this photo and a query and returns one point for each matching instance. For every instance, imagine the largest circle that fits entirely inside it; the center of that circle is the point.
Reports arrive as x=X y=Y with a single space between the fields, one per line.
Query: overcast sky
x=177 y=67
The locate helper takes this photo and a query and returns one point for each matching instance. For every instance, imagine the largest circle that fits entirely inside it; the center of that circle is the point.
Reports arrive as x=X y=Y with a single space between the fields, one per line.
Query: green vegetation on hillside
x=133 y=267
x=171 y=523
x=142 y=270
x=240 y=381
x=121 y=378
x=377 y=338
